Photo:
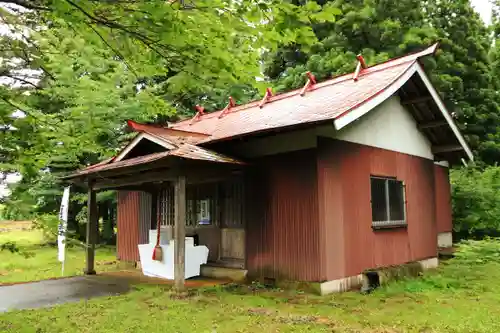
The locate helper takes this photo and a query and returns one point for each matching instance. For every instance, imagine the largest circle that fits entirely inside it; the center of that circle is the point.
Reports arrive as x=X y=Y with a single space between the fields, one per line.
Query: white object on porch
x=195 y=257
x=165 y=235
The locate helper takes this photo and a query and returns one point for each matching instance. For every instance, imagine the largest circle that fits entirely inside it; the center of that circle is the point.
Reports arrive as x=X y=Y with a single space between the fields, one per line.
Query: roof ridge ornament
x=311 y=80
x=361 y=65
x=267 y=96
x=200 y=111
x=228 y=107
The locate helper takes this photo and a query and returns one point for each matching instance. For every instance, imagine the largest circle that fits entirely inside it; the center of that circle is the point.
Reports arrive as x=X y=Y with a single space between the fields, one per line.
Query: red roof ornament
x=228 y=107
x=200 y=111
x=267 y=96
x=131 y=124
x=361 y=65
x=311 y=80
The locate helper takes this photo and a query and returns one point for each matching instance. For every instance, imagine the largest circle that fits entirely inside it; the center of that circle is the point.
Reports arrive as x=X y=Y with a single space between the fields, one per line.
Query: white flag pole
x=63 y=224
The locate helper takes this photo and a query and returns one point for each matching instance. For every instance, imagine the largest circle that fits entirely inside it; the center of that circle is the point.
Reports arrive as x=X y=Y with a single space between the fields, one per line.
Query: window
x=388 y=202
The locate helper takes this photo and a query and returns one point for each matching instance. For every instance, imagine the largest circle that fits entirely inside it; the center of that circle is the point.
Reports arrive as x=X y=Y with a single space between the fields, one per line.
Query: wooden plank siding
x=348 y=242
x=282 y=217
x=443 y=199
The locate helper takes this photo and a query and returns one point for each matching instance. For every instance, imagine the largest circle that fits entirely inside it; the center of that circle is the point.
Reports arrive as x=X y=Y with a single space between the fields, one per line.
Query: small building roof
x=185 y=151
x=342 y=100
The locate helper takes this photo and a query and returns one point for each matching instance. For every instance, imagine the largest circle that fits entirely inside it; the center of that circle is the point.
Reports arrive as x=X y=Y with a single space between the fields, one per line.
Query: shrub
x=476 y=200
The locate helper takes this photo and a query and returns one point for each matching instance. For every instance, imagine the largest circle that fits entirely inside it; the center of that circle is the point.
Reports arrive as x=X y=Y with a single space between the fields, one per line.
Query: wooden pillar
x=180 y=233
x=154 y=209
x=92 y=230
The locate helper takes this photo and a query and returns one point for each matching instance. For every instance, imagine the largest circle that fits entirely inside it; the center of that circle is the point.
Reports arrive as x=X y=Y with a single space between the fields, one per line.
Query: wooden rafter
x=446 y=149
x=433 y=124
x=417 y=100
x=163 y=174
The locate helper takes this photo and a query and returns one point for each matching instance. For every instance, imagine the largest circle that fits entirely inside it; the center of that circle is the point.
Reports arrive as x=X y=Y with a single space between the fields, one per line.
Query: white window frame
x=389 y=223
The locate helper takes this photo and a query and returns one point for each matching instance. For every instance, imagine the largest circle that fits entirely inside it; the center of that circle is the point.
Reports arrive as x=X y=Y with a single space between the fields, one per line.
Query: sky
x=483 y=7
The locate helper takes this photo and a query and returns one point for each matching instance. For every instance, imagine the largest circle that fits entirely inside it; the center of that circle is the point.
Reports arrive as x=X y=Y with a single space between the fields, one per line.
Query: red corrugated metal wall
x=443 y=199
x=145 y=206
x=282 y=218
x=127 y=236
x=350 y=244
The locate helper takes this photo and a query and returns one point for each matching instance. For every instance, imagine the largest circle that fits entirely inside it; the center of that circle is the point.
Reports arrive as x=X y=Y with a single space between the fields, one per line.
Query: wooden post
x=91 y=231
x=154 y=209
x=180 y=233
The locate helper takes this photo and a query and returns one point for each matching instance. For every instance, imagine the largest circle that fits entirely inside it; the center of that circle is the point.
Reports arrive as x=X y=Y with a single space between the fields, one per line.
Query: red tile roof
x=327 y=100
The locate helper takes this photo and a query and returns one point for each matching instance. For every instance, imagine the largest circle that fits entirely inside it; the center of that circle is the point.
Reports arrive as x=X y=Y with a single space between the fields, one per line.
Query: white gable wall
x=389 y=126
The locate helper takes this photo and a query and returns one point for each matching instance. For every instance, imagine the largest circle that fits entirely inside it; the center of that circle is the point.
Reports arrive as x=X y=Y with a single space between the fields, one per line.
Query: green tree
x=378 y=29
x=97 y=63
x=462 y=71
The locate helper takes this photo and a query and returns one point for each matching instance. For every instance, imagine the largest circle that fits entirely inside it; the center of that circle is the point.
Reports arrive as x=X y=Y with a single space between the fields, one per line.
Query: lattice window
x=166 y=212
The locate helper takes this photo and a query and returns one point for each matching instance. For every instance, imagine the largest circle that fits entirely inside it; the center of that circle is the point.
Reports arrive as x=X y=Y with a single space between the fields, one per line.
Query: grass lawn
x=37 y=261
x=463 y=295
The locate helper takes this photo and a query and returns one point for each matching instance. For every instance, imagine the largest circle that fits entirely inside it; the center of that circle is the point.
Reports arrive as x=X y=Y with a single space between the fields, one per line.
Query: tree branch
x=26 y=4
x=118 y=54
x=144 y=39
x=28 y=60
x=29 y=113
x=19 y=79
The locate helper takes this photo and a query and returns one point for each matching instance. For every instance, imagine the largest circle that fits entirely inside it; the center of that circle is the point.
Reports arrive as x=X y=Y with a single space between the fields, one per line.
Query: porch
x=189 y=193
x=214 y=218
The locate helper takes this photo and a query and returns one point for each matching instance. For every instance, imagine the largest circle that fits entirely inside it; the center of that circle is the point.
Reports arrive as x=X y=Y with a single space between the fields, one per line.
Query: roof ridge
x=149 y=128
x=334 y=80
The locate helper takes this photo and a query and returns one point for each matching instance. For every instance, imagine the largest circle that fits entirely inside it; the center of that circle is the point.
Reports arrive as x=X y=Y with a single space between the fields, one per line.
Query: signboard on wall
x=203 y=212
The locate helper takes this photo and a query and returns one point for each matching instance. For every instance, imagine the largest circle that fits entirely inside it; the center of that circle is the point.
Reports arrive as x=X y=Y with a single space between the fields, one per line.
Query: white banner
x=63 y=224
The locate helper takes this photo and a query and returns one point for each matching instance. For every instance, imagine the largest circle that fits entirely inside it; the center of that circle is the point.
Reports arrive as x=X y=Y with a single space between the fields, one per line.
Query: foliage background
x=74 y=71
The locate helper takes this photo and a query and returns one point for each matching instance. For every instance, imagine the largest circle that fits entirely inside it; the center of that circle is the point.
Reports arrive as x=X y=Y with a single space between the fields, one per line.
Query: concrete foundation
x=386 y=274
x=445 y=239
x=430 y=263
x=341 y=285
